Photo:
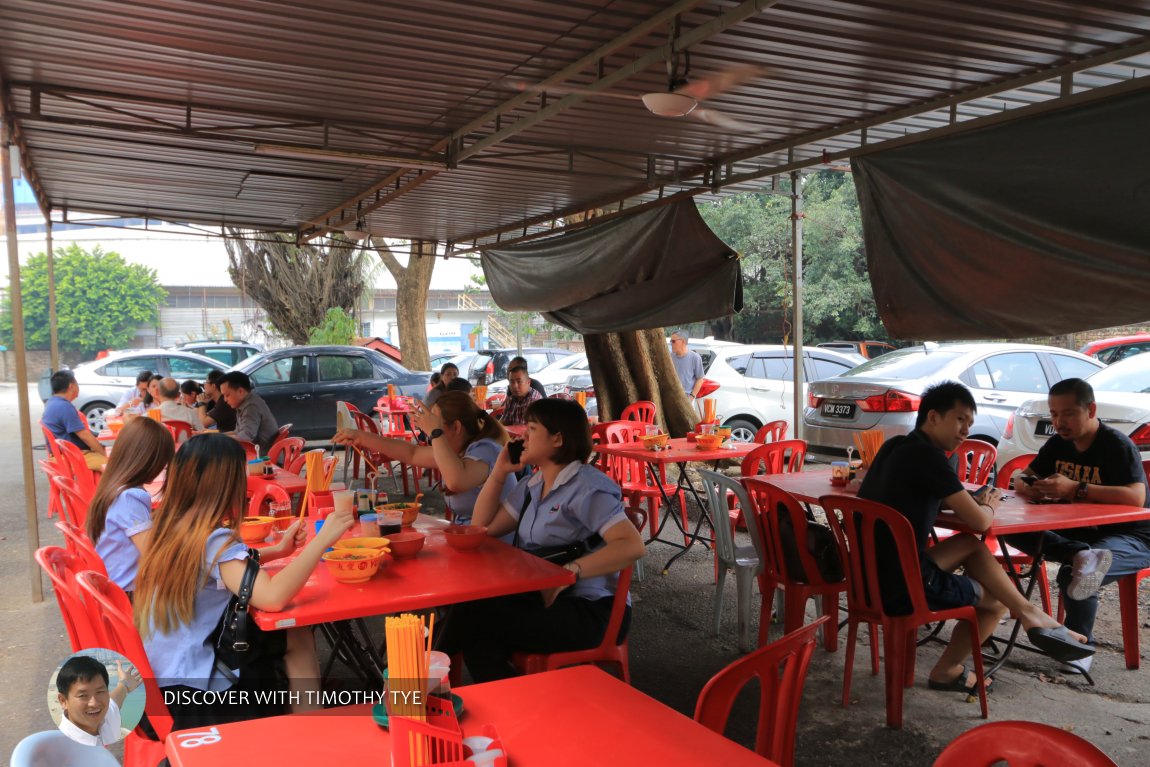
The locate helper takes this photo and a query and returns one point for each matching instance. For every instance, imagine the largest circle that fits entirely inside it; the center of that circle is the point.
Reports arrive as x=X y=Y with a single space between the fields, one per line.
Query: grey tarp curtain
x=653 y=269
x=1031 y=228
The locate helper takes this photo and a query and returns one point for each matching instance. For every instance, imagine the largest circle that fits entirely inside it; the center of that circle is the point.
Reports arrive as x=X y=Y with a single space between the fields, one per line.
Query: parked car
x=230 y=353
x=497 y=359
x=104 y=381
x=868 y=350
x=1111 y=350
x=884 y=393
x=301 y=384
x=1122 y=392
x=553 y=377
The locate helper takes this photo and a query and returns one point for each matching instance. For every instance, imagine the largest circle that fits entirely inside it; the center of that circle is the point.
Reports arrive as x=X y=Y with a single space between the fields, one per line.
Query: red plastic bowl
x=406 y=543
x=465 y=537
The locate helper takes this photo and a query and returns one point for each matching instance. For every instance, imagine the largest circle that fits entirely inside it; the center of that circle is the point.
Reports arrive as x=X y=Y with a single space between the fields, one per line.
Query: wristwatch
x=1081 y=494
x=434 y=434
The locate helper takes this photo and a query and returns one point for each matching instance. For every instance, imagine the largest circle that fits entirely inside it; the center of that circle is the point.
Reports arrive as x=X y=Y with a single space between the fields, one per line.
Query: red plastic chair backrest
x=775 y=431
x=120 y=634
x=61 y=567
x=74 y=501
x=50 y=441
x=286 y=450
x=781 y=669
x=1021 y=744
x=854 y=523
x=626 y=470
x=618 y=607
x=283 y=433
x=181 y=431
x=80 y=546
x=73 y=458
x=1002 y=481
x=364 y=422
x=642 y=410
x=637 y=515
x=770 y=505
x=249 y=449
x=264 y=493
x=51 y=469
x=976 y=460
x=783 y=457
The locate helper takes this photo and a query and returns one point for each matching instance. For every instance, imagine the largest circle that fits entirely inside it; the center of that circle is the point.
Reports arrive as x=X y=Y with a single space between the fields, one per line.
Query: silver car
x=884 y=393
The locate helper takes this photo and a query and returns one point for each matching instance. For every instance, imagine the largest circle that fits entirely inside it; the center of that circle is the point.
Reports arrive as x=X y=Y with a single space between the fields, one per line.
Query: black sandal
x=958 y=684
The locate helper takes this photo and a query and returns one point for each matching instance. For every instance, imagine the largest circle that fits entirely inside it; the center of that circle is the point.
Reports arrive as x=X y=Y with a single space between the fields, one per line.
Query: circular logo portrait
x=96 y=697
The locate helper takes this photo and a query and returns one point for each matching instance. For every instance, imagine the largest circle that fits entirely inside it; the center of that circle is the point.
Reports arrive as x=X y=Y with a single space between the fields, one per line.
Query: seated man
x=213 y=410
x=516 y=362
x=91 y=714
x=63 y=420
x=912 y=475
x=519 y=396
x=1086 y=460
x=132 y=400
x=254 y=420
x=171 y=409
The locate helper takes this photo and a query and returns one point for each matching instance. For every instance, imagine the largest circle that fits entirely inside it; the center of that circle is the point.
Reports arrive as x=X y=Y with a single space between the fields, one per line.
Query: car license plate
x=1044 y=429
x=838 y=410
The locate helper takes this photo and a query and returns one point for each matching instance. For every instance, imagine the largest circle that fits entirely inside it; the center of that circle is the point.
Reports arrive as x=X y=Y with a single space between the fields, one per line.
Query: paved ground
x=673 y=653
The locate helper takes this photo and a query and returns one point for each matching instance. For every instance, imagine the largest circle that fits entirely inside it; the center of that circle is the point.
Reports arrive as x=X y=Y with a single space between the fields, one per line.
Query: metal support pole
x=32 y=518
x=52 y=329
x=797 y=298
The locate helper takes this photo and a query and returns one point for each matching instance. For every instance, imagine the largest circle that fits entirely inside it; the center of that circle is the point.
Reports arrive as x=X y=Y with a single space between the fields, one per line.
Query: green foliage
x=838 y=302
x=100 y=300
x=338 y=328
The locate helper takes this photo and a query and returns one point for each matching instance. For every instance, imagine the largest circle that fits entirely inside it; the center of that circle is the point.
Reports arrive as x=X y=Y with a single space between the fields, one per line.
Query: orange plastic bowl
x=377 y=544
x=465 y=537
x=410 y=511
x=655 y=441
x=406 y=543
x=353 y=565
x=255 y=529
x=708 y=441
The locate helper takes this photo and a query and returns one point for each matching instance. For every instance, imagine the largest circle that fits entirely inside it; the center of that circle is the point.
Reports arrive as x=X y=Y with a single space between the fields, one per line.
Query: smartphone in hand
x=515 y=451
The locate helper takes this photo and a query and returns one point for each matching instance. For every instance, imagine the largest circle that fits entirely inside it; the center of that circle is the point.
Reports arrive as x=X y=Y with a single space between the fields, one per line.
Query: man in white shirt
x=171 y=409
x=92 y=713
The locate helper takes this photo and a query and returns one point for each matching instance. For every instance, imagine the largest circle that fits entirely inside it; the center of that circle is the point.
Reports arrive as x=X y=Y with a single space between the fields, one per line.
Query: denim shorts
x=945 y=590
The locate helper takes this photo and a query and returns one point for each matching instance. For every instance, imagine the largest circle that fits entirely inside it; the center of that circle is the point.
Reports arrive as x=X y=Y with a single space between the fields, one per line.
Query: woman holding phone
x=464 y=443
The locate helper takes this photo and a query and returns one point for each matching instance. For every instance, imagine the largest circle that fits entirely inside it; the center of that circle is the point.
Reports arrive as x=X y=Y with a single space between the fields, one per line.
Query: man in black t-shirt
x=913 y=475
x=1086 y=461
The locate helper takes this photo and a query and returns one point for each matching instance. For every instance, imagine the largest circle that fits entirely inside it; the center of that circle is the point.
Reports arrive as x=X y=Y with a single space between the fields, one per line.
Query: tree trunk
x=412 y=283
x=636 y=365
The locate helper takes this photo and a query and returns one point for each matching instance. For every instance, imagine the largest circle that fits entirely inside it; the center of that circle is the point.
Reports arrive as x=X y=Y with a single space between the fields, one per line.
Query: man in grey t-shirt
x=254 y=420
x=688 y=364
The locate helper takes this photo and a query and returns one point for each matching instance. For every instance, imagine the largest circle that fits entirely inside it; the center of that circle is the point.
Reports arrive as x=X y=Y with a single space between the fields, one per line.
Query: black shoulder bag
x=239 y=642
x=562 y=554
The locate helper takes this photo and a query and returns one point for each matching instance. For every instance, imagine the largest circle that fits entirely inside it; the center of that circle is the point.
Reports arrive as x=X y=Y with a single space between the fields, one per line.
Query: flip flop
x=958 y=684
x=1058 y=644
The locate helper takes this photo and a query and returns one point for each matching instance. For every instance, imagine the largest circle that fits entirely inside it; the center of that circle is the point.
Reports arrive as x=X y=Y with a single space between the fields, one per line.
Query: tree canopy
x=837 y=299
x=101 y=300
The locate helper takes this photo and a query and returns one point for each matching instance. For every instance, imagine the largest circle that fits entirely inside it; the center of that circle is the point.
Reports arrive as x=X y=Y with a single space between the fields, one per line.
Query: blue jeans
x=1130 y=554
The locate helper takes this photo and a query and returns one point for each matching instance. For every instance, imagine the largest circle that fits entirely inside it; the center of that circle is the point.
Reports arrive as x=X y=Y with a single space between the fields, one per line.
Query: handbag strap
x=251 y=571
x=518 y=522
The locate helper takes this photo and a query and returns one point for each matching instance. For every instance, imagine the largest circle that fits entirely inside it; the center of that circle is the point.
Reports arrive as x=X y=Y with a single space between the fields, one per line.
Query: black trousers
x=486 y=632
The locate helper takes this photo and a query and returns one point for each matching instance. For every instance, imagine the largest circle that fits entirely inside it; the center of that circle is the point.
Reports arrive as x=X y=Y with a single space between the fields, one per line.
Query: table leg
x=684 y=482
x=360 y=656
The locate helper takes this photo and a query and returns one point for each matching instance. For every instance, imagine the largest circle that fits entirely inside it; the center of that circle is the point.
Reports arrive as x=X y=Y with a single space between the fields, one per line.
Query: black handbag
x=561 y=554
x=239 y=642
x=820 y=544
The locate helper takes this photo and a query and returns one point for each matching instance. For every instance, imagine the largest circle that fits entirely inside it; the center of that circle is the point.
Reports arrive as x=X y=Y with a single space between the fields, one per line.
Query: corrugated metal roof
x=163 y=109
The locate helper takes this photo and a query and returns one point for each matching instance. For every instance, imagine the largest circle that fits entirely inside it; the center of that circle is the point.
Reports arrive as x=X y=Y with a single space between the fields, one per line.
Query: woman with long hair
x=464 y=444
x=448 y=373
x=195 y=563
x=565 y=502
x=120 y=516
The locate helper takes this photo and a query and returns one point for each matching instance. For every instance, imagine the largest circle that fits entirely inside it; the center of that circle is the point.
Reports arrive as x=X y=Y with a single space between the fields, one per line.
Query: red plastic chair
x=781 y=669
x=638 y=518
x=181 y=431
x=1021 y=744
x=1128 y=606
x=80 y=546
x=61 y=568
x=607 y=653
x=114 y=615
x=282 y=433
x=73 y=500
x=976 y=460
x=775 y=431
x=73 y=458
x=599 y=437
x=50 y=441
x=1002 y=482
x=642 y=410
x=299 y=463
x=1018 y=463
x=635 y=480
x=782 y=457
x=249 y=449
x=264 y=493
x=854 y=522
x=770 y=503
x=51 y=469
x=286 y=450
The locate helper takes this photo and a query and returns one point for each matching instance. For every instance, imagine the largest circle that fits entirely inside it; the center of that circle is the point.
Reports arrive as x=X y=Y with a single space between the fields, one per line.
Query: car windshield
x=1129 y=375
x=904 y=364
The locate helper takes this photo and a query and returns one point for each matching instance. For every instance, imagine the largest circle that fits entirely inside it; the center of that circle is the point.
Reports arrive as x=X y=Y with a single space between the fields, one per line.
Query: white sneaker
x=1090 y=567
x=1080 y=666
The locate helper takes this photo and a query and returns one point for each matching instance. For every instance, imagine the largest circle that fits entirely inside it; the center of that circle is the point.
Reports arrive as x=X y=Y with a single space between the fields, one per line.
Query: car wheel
x=94 y=412
x=741 y=431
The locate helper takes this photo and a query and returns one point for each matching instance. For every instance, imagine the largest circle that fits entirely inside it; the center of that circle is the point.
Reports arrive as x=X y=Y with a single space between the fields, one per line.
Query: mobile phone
x=979 y=491
x=515 y=450
x=1028 y=479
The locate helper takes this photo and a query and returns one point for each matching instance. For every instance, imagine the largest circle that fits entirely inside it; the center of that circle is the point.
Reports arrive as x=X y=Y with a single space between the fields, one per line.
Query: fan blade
x=721 y=120
x=710 y=85
x=523 y=86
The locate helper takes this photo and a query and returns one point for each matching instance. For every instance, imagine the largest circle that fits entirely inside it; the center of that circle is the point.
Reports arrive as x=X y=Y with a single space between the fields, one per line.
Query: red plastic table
x=679 y=452
x=575 y=717
x=291 y=483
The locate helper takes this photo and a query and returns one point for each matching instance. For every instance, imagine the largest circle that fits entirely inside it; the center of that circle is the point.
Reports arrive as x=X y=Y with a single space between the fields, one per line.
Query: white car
x=553 y=377
x=1122 y=392
x=756 y=382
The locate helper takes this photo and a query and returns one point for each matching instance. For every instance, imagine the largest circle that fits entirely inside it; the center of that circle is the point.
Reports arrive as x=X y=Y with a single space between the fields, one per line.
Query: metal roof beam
x=16 y=133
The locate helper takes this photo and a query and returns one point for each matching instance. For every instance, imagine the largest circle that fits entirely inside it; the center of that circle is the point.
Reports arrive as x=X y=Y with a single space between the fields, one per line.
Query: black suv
x=496 y=367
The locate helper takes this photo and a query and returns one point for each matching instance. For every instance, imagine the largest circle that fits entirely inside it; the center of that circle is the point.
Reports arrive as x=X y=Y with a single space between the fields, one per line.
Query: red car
x=1110 y=350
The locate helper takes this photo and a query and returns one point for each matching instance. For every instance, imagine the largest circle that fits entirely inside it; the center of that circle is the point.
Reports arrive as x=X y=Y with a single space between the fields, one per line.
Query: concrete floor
x=673 y=653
